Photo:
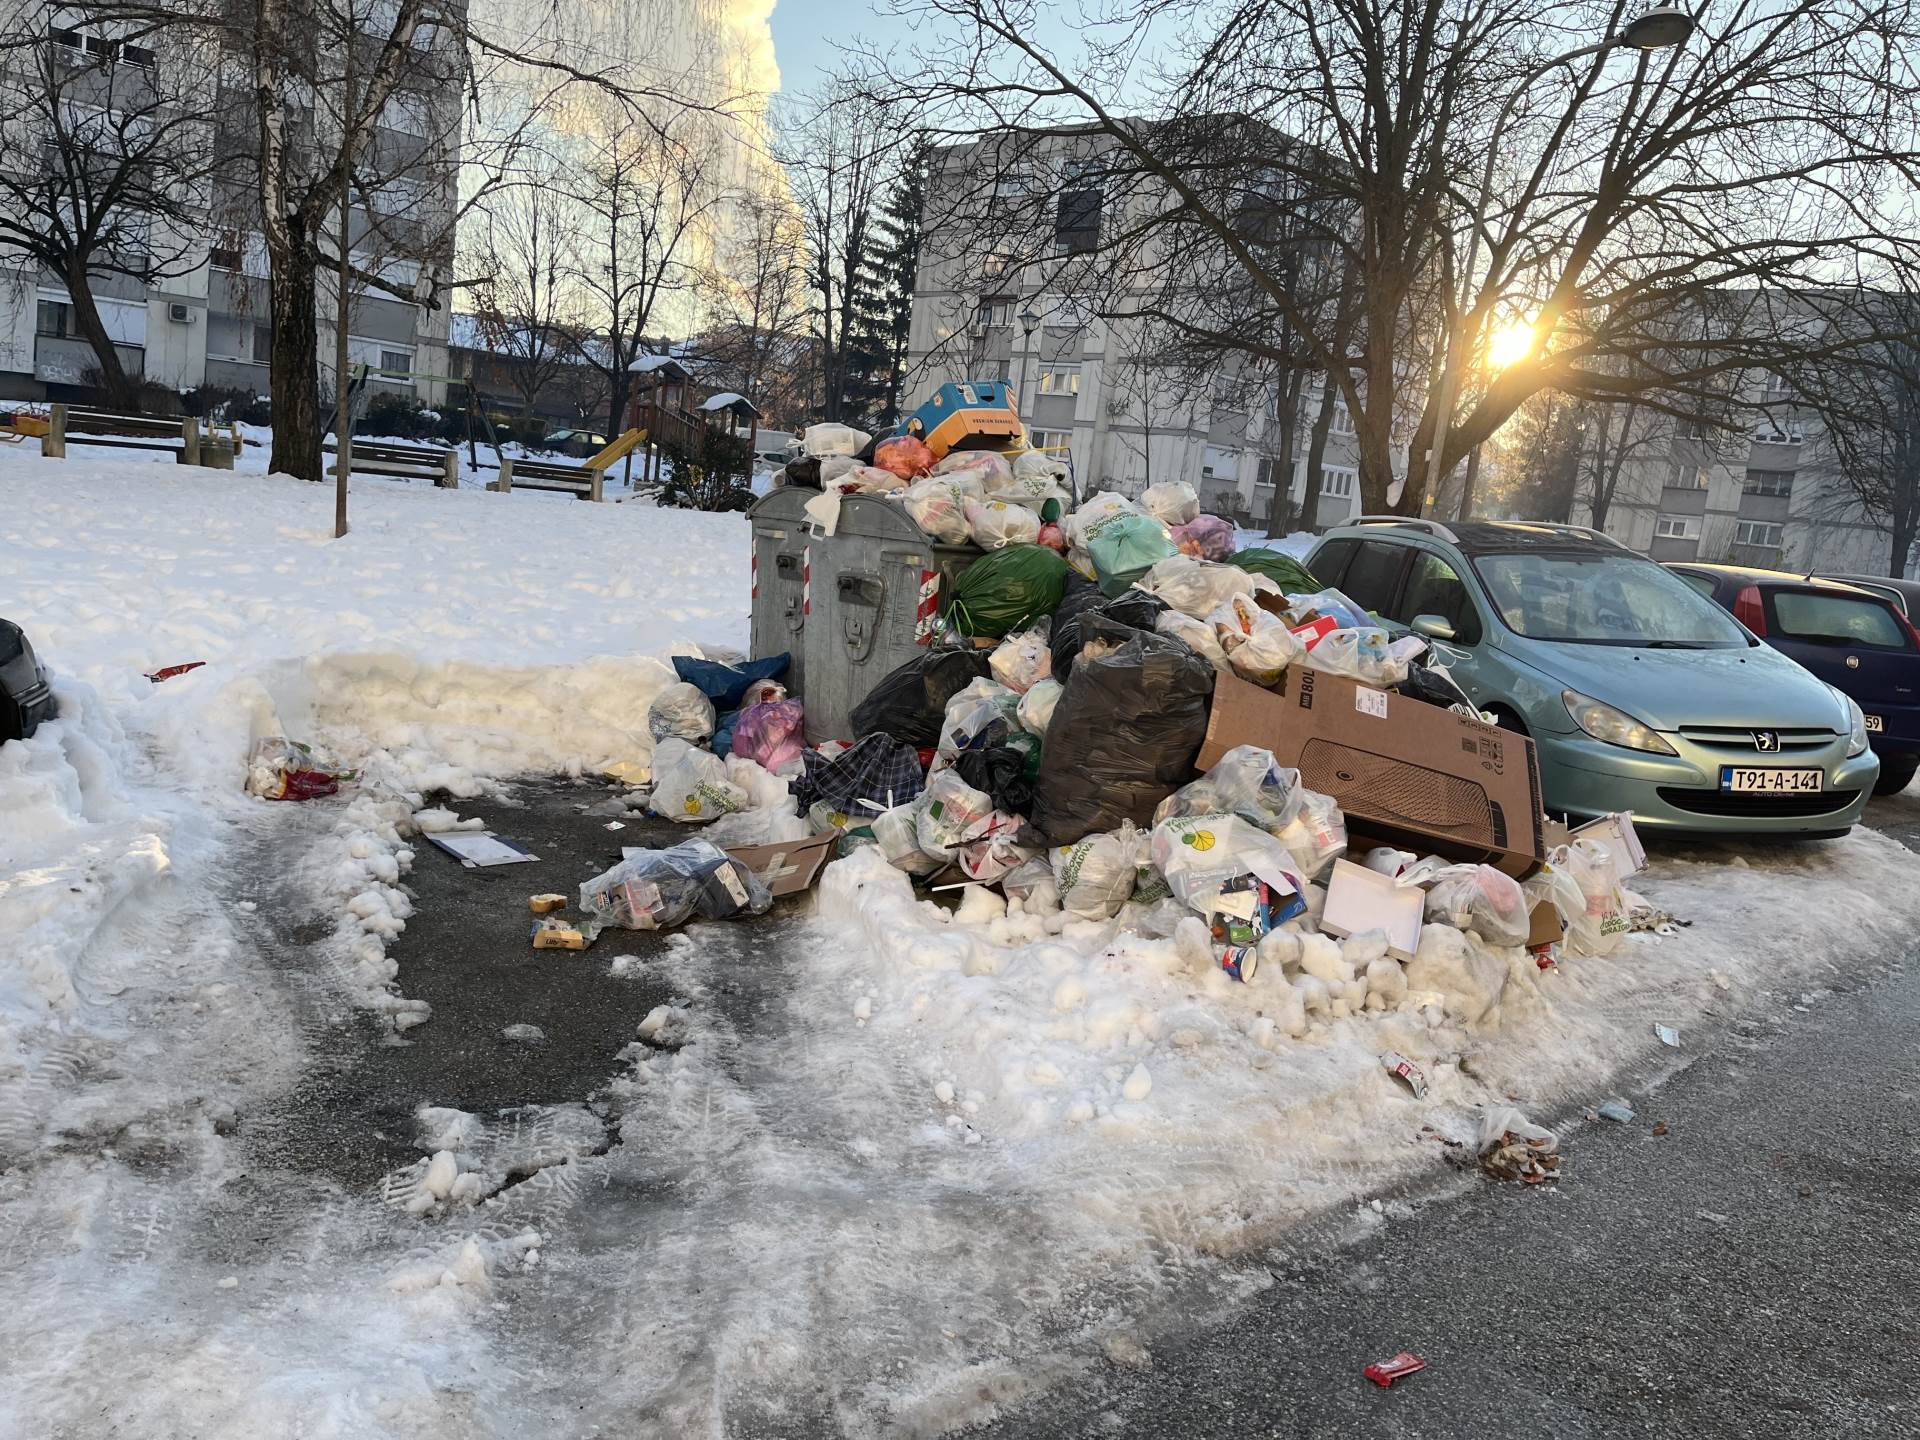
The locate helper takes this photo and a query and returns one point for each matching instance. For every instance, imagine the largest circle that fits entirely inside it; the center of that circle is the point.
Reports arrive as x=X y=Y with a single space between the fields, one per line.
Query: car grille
x=1729 y=737
x=1757 y=806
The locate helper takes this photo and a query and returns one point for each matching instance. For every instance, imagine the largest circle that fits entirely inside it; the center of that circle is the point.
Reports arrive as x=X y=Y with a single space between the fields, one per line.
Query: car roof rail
x=1412 y=522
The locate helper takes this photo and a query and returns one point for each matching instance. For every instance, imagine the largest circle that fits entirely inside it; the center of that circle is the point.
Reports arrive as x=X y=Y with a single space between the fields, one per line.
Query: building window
x=399 y=363
x=223 y=257
x=262 y=342
x=55 y=318
x=993 y=315
x=1060 y=380
x=1676 y=527
x=1688 y=477
x=1769 y=482
x=1337 y=483
x=1342 y=423
x=1049 y=439
x=1758 y=533
x=1076 y=228
x=1069 y=312
x=1220 y=465
x=1777 y=431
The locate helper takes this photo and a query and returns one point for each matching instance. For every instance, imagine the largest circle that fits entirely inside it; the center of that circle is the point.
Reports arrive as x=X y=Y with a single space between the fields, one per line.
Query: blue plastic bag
x=726 y=685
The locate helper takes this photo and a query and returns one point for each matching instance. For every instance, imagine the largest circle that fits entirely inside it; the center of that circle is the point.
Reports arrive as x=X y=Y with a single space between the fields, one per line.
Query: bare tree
x=522 y=239
x=105 y=156
x=1627 y=188
x=757 y=302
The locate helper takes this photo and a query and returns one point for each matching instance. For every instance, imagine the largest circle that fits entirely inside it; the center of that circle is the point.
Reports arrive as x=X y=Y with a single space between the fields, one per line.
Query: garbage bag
x=994 y=850
x=1035 y=711
x=1597 y=927
x=1259 y=646
x=1096 y=512
x=979 y=716
x=1197 y=634
x=867 y=480
x=1557 y=887
x=657 y=889
x=1315 y=834
x=1046 y=465
x=691 y=785
x=895 y=833
x=283 y=769
x=835 y=440
x=1481 y=899
x=905 y=455
x=1360 y=654
x=1195 y=587
x=804 y=472
x=1171 y=502
x=771 y=735
x=1125 y=548
x=1346 y=615
x=939 y=509
x=1205 y=537
x=874 y=773
x=1000 y=771
x=1278 y=566
x=1135 y=608
x=762 y=825
x=910 y=702
x=1032 y=886
x=727 y=685
x=982 y=470
x=1021 y=659
x=1006 y=589
x=1246 y=781
x=681 y=712
x=950 y=812
x=1124 y=733
x=1053 y=537
x=1436 y=686
x=996 y=523
x=1096 y=874
x=1202 y=856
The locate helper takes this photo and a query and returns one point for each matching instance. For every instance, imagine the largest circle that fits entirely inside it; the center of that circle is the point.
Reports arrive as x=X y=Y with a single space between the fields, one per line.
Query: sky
x=806 y=34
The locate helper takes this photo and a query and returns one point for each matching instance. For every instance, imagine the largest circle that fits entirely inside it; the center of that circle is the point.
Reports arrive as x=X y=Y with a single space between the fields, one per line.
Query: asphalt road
x=1752 y=1271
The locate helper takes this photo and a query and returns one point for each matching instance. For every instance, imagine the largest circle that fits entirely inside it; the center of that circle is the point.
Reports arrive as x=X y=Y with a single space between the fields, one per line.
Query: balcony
x=58 y=360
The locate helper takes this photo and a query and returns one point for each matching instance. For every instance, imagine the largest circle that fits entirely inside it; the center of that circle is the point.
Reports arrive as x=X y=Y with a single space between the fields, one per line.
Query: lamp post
x=1029 y=322
x=1660 y=28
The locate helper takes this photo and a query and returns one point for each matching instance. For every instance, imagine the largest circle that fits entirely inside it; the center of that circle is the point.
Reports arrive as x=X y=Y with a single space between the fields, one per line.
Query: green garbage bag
x=1288 y=573
x=1125 y=547
x=1007 y=588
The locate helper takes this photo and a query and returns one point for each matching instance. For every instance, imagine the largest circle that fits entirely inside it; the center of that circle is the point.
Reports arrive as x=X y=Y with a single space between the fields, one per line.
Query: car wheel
x=1896 y=773
x=12 y=722
x=1508 y=718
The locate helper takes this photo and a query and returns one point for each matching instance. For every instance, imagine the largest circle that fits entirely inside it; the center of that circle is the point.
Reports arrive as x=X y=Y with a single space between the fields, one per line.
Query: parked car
x=1857 y=641
x=577 y=443
x=26 y=698
x=1640 y=694
x=1904 y=593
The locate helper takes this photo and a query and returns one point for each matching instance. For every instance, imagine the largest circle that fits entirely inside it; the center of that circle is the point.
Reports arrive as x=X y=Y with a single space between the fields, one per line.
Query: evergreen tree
x=886 y=290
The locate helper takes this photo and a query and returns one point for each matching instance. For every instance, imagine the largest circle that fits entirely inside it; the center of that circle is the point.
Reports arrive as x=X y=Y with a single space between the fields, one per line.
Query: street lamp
x=1029 y=322
x=1660 y=28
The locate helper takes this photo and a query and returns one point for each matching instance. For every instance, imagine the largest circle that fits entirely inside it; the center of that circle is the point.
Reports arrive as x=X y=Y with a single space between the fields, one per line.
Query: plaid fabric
x=875 y=767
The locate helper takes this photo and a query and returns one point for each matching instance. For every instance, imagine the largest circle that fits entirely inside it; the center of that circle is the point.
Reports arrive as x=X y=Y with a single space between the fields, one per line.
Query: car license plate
x=1875 y=725
x=1746 y=779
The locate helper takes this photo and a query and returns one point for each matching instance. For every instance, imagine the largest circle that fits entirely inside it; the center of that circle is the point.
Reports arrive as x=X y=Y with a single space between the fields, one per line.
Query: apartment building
x=206 y=325
x=1083 y=380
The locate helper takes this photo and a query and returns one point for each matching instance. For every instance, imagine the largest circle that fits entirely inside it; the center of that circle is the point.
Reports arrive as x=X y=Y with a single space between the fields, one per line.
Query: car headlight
x=1857 y=740
x=1616 y=727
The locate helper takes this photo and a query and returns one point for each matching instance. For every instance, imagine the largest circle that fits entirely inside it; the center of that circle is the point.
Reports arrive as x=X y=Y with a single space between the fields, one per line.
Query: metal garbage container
x=852 y=606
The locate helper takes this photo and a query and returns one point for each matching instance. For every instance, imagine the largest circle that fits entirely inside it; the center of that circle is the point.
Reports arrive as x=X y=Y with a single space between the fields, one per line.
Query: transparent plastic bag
x=691 y=785
x=283 y=769
x=1032 y=886
x=1246 y=781
x=1099 y=511
x=1602 y=918
x=657 y=889
x=1330 y=602
x=869 y=480
x=1035 y=710
x=1095 y=875
x=1171 y=502
x=979 y=716
x=681 y=712
x=1315 y=834
x=905 y=455
x=994 y=524
x=1195 y=587
x=1481 y=899
x=1205 y=537
x=832 y=439
x=1022 y=659
x=950 y=812
x=1359 y=654
x=939 y=509
x=1197 y=635
x=1047 y=465
x=993 y=850
x=897 y=835
x=981 y=470
x=1203 y=856
x=771 y=736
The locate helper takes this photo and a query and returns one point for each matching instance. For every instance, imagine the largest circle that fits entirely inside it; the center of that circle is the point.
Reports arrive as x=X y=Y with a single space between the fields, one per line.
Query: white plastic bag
x=1259 y=646
x=979 y=716
x=1195 y=587
x=1095 y=513
x=1246 y=781
x=832 y=439
x=1481 y=899
x=1197 y=635
x=995 y=523
x=1031 y=886
x=869 y=480
x=1048 y=465
x=836 y=467
x=1201 y=854
x=897 y=835
x=981 y=470
x=1035 y=711
x=681 y=712
x=691 y=785
x=762 y=825
x=938 y=507
x=949 y=813
x=1171 y=502
x=1601 y=921
x=1360 y=654
x=1022 y=659
x=1096 y=874
x=1315 y=834
x=992 y=851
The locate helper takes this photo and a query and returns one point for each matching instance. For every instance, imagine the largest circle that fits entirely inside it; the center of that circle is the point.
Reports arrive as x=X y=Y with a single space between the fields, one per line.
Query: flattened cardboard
x=787 y=867
x=1412 y=775
x=1360 y=900
x=1544 y=925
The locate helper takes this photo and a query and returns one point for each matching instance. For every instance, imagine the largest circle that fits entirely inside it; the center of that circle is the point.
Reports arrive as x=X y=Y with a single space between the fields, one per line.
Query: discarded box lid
x=787 y=867
x=1410 y=774
x=1360 y=901
x=1614 y=831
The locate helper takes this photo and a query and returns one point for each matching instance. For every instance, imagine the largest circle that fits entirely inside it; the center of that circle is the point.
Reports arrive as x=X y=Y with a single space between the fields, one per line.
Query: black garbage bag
x=910 y=702
x=1124 y=734
x=1001 y=771
x=1132 y=607
x=804 y=472
x=1435 y=686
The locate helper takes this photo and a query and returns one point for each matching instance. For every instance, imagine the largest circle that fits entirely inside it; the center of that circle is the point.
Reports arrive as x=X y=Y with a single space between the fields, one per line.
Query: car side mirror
x=1434 y=627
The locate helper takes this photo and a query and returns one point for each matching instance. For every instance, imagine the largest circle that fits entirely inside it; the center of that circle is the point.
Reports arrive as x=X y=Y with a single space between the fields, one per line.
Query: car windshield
x=1606 y=598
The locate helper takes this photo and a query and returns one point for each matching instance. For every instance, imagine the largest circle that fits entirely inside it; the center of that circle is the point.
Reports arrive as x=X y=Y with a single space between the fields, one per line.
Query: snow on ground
x=900 y=1168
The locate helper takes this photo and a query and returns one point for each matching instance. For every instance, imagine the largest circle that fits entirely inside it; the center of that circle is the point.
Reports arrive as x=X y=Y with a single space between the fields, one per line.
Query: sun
x=1510 y=346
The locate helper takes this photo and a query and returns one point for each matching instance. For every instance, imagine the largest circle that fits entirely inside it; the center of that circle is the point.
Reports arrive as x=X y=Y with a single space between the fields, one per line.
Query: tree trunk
x=120 y=391
x=1316 y=455
x=295 y=376
x=1466 y=485
x=1282 y=502
x=619 y=387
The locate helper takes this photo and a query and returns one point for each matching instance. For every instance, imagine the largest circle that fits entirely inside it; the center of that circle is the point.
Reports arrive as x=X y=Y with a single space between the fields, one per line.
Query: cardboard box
x=1545 y=925
x=1360 y=900
x=790 y=866
x=1406 y=773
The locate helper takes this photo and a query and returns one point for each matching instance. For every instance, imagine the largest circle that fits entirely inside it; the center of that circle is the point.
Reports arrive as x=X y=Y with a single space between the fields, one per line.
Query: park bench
x=401 y=462
x=76 y=425
x=583 y=482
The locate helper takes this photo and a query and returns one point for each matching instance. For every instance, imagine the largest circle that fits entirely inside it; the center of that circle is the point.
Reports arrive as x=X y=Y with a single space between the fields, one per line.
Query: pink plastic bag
x=770 y=735
x=1206 y=537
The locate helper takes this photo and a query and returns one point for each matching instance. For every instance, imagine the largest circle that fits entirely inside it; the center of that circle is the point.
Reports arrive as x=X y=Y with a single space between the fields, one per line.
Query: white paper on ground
x=482 y=847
